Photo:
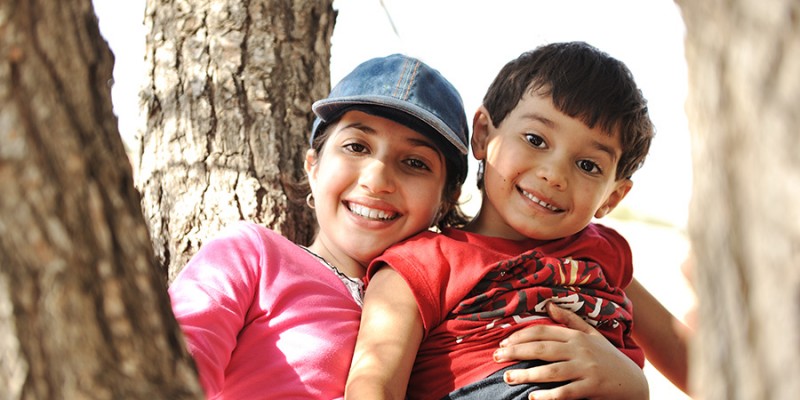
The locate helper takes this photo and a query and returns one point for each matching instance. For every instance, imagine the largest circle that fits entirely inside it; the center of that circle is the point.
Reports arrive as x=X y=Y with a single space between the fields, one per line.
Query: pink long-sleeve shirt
x=263 y=318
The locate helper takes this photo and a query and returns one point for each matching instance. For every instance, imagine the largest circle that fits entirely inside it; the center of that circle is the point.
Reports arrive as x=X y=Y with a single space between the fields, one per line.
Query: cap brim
x=328 y=109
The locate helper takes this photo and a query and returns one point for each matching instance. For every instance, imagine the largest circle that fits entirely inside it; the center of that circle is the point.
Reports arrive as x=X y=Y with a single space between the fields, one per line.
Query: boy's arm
x=662 y=336
x=388 y=339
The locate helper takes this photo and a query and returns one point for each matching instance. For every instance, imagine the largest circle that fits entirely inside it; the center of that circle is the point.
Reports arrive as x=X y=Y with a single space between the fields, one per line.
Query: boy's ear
x=623 y=187
x=480 y=132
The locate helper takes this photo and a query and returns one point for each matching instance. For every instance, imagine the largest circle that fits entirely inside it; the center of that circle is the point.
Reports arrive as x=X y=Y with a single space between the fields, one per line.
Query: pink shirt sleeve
x=214 y=290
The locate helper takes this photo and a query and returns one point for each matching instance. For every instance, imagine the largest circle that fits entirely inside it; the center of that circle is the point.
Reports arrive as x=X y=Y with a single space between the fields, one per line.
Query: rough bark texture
x=83 y=308
x=744 y=111
x=228 y=114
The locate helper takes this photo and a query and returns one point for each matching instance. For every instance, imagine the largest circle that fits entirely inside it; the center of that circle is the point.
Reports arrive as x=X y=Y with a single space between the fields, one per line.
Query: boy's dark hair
x=584 y=83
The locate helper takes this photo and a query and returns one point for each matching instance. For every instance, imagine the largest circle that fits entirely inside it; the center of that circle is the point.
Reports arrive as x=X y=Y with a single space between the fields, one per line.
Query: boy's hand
x=577 y=353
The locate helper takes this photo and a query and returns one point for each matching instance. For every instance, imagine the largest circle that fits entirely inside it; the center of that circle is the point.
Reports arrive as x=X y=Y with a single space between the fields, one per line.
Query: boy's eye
x=536 y=140
x=589 y=166
x=417 y=164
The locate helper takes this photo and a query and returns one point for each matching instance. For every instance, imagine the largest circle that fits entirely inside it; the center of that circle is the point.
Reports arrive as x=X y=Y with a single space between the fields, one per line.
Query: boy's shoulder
x=430 y=244
x=602 y=233
x=427 y=238
x=458 y=244
x=454 y=237
x=594 y=234
x=601 y=242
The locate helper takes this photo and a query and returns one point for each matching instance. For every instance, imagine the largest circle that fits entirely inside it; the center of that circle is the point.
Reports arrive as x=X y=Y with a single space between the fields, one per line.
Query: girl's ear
x=481 y=123
x=623 y=187
x=311 y=165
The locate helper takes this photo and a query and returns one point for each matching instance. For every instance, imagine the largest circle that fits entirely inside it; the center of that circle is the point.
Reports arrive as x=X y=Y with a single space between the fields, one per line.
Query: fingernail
x=508 y=377
x=499 y=355
x=504 y=343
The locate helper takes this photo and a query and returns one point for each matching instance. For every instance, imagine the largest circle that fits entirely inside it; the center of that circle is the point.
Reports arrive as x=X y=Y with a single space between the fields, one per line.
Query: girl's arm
x=210 y=298
x=388 y=340
x=577 y=353
x=662 y=336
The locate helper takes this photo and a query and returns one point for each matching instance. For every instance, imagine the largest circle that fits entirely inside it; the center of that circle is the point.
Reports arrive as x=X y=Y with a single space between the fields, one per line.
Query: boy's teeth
x=540 y=202
x=371 y=213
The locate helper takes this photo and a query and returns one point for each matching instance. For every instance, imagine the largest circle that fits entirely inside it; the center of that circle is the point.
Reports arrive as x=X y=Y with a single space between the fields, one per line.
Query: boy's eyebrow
x=606 y=149
x=538 y=117
x=551 y=124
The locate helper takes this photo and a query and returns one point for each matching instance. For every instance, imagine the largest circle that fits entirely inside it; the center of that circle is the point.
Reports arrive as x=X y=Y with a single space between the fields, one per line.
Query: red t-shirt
x=473 y=291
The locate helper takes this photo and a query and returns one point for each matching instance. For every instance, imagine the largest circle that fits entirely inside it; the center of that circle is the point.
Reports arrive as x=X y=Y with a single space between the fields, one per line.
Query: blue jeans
x=493 y=386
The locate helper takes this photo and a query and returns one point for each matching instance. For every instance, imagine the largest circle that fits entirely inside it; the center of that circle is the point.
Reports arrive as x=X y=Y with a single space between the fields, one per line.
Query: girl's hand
x=577 y=353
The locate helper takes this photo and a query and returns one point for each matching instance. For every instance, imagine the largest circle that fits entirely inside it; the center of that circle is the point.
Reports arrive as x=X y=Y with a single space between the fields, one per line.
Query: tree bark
x=744 y=106
x=83 y=308
x=228 y=116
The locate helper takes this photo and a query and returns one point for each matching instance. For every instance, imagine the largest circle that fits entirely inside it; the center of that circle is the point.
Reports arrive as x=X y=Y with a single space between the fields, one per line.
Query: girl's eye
x=536 y=140
x=355 y=147
x=417 y=164
x=589 y=166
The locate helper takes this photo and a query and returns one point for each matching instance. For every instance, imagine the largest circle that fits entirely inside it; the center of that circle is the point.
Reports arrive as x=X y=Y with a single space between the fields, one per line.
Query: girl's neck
x=343 y=263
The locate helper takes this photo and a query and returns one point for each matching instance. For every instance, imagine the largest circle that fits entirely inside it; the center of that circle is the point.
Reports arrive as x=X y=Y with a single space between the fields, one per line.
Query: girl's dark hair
x=584 y=83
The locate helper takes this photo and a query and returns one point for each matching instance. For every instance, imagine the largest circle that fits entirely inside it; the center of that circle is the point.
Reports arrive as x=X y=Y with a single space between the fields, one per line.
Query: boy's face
x=546 y=174
x=375 y=183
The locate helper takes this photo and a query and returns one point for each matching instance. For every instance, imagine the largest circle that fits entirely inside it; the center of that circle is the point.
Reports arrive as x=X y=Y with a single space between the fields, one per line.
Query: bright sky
x=469 y=41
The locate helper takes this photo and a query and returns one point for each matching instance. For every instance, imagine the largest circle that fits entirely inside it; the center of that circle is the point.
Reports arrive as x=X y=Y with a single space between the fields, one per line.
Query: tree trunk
x=228 y=116
x=744 y=111
x=83 y=308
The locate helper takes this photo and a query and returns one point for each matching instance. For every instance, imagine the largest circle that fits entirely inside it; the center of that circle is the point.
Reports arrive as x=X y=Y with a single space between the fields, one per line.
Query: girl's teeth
x=370 y=212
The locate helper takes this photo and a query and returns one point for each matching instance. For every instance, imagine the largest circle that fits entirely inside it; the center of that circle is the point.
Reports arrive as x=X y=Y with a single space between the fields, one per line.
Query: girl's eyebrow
x=424 y=143
x=360 y=126
x=414 y=141
x=427 y=143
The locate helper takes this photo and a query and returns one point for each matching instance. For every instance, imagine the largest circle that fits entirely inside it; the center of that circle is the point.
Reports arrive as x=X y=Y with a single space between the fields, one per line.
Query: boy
x=560 y=133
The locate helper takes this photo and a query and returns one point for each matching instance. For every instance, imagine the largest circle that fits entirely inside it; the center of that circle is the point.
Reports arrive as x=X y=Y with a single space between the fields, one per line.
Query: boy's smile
x=546 y=174
x=539 y=201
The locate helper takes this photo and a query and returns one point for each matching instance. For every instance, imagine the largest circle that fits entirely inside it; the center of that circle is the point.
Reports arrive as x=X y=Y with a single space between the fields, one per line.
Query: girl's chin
x=365 y=258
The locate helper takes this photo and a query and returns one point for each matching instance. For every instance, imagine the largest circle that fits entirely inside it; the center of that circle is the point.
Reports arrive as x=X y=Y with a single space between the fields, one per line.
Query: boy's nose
x=553 y=175
x=377 y=177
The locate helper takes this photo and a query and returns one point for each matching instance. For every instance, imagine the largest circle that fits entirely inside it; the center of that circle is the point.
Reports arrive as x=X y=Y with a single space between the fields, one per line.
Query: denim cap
x=407 y=91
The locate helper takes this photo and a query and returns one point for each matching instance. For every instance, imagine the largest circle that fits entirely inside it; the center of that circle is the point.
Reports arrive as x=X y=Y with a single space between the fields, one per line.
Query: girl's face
x=375 y=182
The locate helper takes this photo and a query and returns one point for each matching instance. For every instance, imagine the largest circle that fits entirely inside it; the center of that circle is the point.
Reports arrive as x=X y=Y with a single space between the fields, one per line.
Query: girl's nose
x=377 y=177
